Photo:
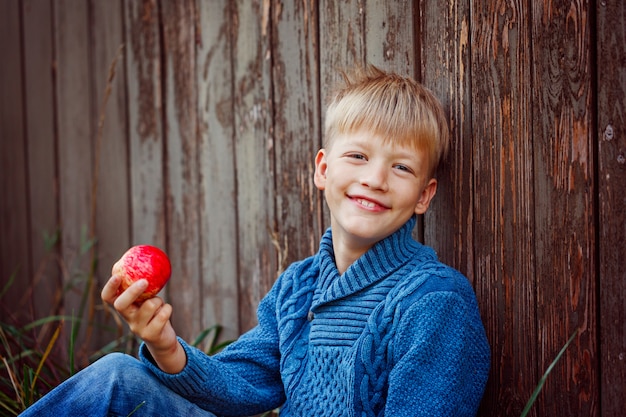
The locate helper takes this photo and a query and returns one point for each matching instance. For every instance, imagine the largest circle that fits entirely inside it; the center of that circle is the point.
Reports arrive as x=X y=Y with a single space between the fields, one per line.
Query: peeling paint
x=608 y=133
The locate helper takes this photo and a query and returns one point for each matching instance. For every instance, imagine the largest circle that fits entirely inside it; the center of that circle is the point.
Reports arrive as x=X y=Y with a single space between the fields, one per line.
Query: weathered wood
x=182 y=164
x=40 y=136
x=564 y=194
x=253 y=114
x=443 y=43
x=611 y=136
x=389 y=35
x=145 y=124
x=112 y=214
x=218 y=215
x=146 y=143
x=297 y=227
x=14 y=211
x=75 y=151
x=110 y=221
x=222 y=116
x=342 y=44
x=503 y=204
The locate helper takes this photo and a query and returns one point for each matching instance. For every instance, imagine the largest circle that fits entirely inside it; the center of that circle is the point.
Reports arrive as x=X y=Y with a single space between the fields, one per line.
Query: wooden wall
x=193 y=126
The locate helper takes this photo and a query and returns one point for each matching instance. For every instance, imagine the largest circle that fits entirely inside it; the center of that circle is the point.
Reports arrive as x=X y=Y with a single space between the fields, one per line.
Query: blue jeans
x=115 y=385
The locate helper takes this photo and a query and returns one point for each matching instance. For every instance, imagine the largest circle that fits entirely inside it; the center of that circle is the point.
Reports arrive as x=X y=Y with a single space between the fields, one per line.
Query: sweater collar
x=380 y=261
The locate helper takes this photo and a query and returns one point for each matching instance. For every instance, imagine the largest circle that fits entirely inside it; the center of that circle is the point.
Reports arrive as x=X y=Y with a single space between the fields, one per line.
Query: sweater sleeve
x=244 y=379
x=440 y=359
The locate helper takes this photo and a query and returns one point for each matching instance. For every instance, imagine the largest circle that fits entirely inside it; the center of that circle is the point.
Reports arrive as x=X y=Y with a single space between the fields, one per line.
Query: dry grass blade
x=46 y=353
x=19 y=393
x=17 y=388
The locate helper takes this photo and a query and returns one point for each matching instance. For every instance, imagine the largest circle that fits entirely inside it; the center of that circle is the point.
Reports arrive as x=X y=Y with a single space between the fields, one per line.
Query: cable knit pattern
x=397 y=334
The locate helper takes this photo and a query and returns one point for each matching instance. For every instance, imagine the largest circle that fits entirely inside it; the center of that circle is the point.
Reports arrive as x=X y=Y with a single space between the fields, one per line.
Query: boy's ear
x=428 y=193
x=319 y=178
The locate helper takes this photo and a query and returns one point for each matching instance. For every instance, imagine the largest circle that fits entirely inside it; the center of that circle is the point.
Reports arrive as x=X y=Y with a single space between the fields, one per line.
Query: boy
x=371 y=325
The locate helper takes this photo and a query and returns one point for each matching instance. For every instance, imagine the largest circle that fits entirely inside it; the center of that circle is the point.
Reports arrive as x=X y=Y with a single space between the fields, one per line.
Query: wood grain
x=182 y=163
x=76 y=128
x=342 y=44
x=145 y=124
x=41 y=152
x=218 y=206
x=14 y=227
x=297 y=227
x=109 y=212
x=503 y=220
x=565 y=248
x=218 y=107
x=389 y=35
x=611 y=138
x=253 y=121
x=443 y=42
x=112 y=216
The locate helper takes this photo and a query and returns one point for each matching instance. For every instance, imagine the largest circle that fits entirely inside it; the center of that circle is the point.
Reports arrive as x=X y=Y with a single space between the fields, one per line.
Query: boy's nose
x=375 y=178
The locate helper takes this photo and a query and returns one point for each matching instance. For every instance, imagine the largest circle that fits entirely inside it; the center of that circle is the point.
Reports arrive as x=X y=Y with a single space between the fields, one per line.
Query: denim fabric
x=115 y=385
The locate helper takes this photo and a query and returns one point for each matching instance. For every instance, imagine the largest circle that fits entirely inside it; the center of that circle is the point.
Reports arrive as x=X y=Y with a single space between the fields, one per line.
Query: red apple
x=143 y=262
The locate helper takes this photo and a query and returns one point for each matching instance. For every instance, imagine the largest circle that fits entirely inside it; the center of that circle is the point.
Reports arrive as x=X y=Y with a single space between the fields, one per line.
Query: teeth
x=367 y=204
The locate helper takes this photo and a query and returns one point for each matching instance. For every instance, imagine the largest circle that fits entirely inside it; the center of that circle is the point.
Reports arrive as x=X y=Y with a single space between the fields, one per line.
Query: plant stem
x=537 y=390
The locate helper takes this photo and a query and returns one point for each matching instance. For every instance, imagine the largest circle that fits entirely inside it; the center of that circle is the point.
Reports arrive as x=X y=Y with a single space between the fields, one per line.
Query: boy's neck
x=346 y=254
x=347 y=250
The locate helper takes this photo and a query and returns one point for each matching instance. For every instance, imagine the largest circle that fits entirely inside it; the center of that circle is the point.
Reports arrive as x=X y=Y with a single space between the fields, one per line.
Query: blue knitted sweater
x=398 y=334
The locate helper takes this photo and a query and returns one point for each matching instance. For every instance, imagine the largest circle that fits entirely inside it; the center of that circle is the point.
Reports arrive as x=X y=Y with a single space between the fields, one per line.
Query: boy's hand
x=149 y=320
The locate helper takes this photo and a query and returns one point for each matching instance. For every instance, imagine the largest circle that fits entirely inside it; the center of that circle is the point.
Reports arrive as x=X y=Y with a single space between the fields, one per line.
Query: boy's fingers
x=110 y=289
x=150 y=310
x=147 y=320
x=161 y=315
x=128 y=296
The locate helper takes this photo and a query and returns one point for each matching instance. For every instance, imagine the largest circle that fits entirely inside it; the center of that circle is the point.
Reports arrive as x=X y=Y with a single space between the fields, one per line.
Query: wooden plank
x=74 y=123
x=146 y=143
x=180 y=118
x=14 y=226
x=40 y=136
x=75 y=133
x=342 y=45
x=389 y=35
x=111 y=148
x=217 y=181
x=253 y=113
x=611 y=130
x=564 y=195
x=111 y=224
x=444 y=56
x=342 y=40
x=503 y=203
x=297 y=136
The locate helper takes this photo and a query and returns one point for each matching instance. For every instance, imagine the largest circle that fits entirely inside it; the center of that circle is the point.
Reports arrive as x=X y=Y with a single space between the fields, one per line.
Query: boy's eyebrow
x=354 y=141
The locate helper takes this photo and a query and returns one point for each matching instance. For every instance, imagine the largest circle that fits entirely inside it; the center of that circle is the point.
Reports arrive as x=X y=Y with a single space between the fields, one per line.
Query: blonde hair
x=397 y=108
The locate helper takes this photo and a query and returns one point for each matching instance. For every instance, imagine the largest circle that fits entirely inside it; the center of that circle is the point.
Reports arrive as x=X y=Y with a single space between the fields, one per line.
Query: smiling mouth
x=369 y=204
x=365 y=203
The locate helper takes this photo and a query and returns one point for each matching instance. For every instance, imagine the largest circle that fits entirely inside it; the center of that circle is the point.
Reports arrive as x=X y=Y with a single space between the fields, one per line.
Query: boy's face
x=371 y=187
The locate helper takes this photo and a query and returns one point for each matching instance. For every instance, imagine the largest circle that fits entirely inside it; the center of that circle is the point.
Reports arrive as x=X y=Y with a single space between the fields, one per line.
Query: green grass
x=37 y=356
x=543 y=379
x=31 y=365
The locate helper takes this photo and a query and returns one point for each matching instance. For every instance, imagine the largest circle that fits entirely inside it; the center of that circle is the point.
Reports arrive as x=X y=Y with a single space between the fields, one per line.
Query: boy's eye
x=356 y=156
x=402 y=167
